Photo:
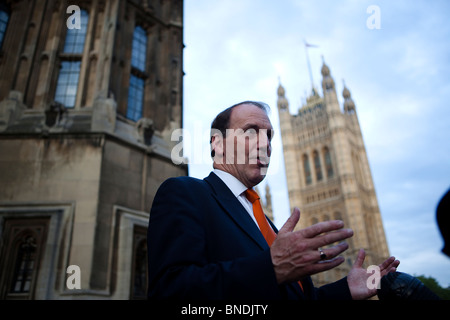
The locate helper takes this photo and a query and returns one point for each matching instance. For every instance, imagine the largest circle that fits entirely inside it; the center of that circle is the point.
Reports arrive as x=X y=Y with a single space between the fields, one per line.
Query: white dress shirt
x=238 y=189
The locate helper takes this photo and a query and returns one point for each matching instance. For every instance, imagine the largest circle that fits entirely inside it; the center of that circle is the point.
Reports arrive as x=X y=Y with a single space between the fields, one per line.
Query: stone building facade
x=266 y=201
x=328 y=173
x=90 y=92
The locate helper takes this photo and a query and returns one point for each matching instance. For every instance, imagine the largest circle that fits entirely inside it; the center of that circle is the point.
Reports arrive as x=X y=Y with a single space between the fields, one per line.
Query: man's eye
x=251 y=131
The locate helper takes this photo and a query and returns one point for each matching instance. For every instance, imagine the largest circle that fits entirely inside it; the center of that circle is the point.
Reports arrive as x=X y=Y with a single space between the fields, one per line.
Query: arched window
x=25 y=264
x=4 y=18
x=75 y=38
x=138 y=75
x=139 y=271
x=317 y=166
x=67 y=85
x=23 y=241
x=307 y=169
x=357 y=168
x=328 y=164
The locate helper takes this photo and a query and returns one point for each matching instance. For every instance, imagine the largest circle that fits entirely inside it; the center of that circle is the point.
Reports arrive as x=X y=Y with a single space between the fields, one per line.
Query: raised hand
x=358 y=276
x=295 y=254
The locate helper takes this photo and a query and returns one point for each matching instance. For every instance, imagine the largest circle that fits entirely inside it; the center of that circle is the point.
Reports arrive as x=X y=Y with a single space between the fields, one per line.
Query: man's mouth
x=262 y=162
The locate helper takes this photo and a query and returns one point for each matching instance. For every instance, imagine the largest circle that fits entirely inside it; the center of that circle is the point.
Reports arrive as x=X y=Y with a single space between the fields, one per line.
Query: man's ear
x=217 y=147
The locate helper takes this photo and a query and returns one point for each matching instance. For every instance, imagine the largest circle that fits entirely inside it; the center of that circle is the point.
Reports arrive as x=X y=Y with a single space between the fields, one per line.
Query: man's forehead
x=246 y=115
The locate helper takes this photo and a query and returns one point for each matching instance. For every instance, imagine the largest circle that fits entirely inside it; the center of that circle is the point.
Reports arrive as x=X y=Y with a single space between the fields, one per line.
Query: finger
x=322 y=227
x=329 y=238
x=386 y=263
x=332 y=252
x=290 y=223
x=390 y=265
x=360 y=259
x=324 y=265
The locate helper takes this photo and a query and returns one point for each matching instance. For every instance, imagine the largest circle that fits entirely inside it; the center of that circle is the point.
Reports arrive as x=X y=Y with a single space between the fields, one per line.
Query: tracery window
x=68 y=78
x=4 y=18
x=24 y=266
x=317 y=166
x=139 y=267
x=307 y=169
x=138 y=75
x=328 y=164
x=23 y=241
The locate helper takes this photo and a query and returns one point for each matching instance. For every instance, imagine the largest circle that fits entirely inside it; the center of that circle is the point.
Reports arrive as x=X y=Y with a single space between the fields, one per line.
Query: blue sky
x=398 y=76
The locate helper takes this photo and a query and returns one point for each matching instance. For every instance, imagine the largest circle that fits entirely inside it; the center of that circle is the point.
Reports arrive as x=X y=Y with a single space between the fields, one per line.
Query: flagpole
x=309 y=65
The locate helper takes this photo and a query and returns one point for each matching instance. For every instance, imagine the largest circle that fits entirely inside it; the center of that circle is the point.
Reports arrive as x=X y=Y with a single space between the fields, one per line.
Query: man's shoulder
x=184 y=181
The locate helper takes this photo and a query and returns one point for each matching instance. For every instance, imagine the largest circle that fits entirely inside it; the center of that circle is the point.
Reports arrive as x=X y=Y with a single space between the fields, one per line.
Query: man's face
x=247 y=145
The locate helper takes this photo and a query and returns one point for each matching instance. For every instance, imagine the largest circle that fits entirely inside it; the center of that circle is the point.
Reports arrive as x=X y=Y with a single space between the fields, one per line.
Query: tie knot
x=251 y=195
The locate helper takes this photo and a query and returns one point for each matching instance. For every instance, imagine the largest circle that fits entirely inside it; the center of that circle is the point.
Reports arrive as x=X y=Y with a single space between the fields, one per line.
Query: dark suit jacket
x=202 y=244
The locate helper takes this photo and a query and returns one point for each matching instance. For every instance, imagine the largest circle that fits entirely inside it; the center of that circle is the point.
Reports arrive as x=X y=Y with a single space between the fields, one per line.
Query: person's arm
x=178 y=262
x=338 y=290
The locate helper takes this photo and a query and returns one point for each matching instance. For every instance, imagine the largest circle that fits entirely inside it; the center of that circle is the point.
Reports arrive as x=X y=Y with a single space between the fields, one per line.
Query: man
x=206 y=242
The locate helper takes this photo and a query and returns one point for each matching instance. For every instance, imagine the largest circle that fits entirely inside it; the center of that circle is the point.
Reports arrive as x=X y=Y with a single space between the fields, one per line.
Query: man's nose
x=264 y=143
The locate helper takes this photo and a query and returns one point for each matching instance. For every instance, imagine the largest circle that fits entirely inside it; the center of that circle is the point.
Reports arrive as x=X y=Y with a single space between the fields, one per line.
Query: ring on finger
x=323 y=256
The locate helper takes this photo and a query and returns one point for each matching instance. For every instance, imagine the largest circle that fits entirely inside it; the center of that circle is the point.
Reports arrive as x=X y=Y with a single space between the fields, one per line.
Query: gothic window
x=317 y=166
x=139 y=267
x=4 y=17
x=307 y=169
x=67 y=85
x=66 y=89
x=24 y=266
x=328 y=165
x=357 y=168
x=75 y=38
x=138 y=75
x=23 y=240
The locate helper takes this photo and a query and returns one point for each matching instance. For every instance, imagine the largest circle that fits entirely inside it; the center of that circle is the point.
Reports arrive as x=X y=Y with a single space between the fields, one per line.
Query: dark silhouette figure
x=443 y=221
x=402 y=286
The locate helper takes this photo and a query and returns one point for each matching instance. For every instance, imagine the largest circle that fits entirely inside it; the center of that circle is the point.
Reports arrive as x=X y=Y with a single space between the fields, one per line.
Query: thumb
x=290 y=223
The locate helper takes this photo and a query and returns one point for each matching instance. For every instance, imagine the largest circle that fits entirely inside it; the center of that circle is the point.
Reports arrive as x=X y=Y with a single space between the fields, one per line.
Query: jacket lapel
x=235 y=210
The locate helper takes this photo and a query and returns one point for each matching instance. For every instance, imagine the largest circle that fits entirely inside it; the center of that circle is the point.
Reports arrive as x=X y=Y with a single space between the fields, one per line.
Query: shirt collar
x=236 y=187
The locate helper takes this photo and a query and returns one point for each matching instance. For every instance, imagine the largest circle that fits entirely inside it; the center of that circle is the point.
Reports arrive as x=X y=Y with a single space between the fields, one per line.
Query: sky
x=394 y=57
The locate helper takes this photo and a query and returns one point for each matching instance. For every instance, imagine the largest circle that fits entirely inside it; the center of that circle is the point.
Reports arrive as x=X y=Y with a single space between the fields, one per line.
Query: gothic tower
x=327 y=171
x=90 y=92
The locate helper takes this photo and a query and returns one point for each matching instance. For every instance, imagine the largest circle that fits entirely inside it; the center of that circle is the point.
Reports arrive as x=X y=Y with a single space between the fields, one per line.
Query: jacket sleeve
x=338 y=290
x=177 y=257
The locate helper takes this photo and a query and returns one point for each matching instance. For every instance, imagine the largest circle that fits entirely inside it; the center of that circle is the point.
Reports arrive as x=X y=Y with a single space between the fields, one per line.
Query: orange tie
x=263 y=224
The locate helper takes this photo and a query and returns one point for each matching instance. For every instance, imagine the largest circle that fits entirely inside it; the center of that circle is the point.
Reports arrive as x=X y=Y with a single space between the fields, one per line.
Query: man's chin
x=263 y=170
x=259 y=172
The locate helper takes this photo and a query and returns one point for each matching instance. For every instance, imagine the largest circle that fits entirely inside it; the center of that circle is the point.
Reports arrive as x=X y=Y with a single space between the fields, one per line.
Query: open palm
x=358 y=276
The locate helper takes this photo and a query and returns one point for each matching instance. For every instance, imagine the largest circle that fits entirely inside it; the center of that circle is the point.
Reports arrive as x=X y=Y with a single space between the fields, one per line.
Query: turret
x=349 y=105
x=329 y=89
x=282 y=103
x=327 y=82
